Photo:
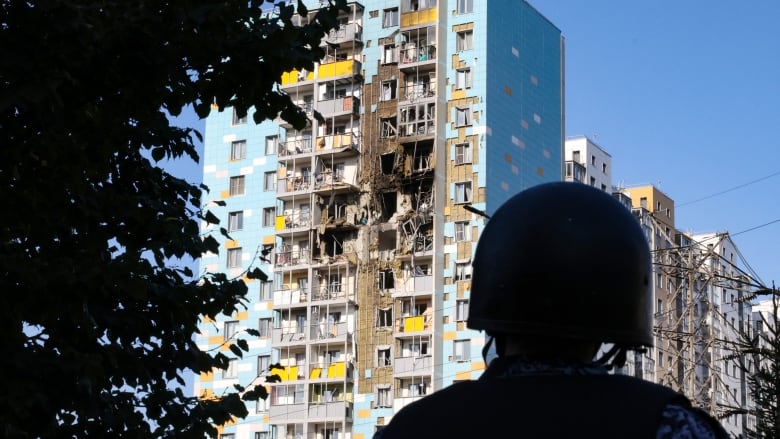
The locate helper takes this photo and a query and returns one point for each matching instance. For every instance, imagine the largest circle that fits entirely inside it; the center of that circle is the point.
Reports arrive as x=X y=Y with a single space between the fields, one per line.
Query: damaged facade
x=359 y=218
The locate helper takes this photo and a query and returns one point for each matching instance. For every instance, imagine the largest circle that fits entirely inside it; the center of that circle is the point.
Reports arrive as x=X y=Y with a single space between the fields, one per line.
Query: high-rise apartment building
x=360 y=220
x=586 y=162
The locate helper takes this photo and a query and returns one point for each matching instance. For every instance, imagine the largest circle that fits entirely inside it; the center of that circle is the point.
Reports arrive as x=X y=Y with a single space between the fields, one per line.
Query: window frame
x=467 y=81
x=461 y=310
x=269 y=181
x=464 y=40
x=463 y=192
x=464 y=7
x=232 y=370
x=269 y=217
x=235 y=220
x=273 y=141
x=265 y=327
x=239 y=120
x=465 y=348
x=238 y=150
x=465 y=156
x=230 y=329
x=467 y=116
x=237 y=185
x=462 y=231
x=234 y=257
x=393 y=17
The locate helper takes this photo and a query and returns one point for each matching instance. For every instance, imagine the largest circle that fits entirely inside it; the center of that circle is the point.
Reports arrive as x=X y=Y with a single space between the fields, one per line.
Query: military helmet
x=563 y=260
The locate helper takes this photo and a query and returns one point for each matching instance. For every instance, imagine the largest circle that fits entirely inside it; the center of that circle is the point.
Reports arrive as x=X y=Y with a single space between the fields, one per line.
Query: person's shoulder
x=686 y=422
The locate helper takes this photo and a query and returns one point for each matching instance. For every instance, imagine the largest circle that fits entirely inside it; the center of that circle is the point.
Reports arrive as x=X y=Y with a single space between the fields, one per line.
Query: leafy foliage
x=96 y=320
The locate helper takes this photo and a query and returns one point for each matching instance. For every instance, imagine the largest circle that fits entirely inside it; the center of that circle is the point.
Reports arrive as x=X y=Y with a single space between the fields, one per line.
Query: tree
x=96 y=317
x=763 y=348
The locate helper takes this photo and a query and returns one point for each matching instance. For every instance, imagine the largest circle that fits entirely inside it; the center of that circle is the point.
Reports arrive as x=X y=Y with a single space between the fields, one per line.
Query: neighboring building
x=586 y=162
x=429 y=107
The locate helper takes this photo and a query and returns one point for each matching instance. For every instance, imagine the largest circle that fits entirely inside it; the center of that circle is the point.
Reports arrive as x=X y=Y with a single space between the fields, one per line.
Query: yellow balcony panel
x=337 y=370
x=294 y=77
x=338 y=68
x=287 y=373
x=413 y=324
x=419 y=17
x=280 y=222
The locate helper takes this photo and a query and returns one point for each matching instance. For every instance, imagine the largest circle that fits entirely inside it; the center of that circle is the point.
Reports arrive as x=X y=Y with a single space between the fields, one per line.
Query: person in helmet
x=561 y=269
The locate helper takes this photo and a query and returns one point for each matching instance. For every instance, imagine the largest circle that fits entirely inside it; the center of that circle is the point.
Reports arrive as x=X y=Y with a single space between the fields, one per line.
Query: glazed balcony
x=420 y=16
x=413 y=54
x=575 y=171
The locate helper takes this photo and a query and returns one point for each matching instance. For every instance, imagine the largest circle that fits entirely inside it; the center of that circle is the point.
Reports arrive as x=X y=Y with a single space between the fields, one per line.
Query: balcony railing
x=290 y=297
x=338 y=369
x=337 y=142
x=328 y=330
x=294 y=220
x=295 y=146
x=421 y=364
x=292 y=257
x=347 y=104
x=413 y=324
x=295 y=76
x=346 y=67
x=344 y=33
x=415 y=18
x=292 y=184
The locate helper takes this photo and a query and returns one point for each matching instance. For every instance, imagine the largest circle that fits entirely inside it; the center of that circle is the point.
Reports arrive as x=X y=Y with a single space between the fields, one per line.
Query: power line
x=728 y=190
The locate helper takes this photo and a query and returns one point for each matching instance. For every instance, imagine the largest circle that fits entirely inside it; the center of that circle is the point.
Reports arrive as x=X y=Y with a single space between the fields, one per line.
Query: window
x=389 y=90
x=238 y=150
x=383 y=357
x=232 y=369
x=263 y=364
x=383 y=397
x=265 y=290
x=384 y=317
x=230 y=329
x=388 y=128
x=237 y=185
x=271 y=145
x=389 y=54
x=463 y=192
x=462 y=231
x=462 y=153
x=461 y=350
x=261 y=434
x=461 y=310
x=264 y=327
x=463 y=79
x=390 y=17
x=238 y=120
x=235 y=221
x=462 y=116
x=227 y=436
x=269 y=181
x=269 y=216
x=462 y=270
x=465 y=6
x=464 y=40
x=593 y=160
x=604 y=168
x=234 y=257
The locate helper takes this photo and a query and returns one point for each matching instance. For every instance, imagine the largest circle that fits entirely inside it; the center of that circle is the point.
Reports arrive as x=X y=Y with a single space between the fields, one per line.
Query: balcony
x=339 y=106
x=289 y=297
x=295 y=147
x=414 y=53
x=291 y=257
x=293 y=221
x=336 y=410
x=329 y=371
x=339 y=69
x=417 y=92
x=337 y=143
x=413 y=324
x=330 y=332
x=288 y=336
x=284 y=413
x=414 y=285
x=293 y=184
x=413 y=366
x=344 y=34
x=575 y=171
x=296 y=77
x=415 y=18
x=289 y=373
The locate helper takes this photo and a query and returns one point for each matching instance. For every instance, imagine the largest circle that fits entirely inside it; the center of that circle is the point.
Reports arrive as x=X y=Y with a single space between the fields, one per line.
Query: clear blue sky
x=684 y=94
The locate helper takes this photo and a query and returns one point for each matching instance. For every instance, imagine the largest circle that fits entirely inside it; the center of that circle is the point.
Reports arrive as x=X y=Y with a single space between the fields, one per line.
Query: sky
x=685 y=95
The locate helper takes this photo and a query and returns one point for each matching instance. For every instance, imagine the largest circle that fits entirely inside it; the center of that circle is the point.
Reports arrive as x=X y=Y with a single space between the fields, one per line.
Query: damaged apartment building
x=359 y=219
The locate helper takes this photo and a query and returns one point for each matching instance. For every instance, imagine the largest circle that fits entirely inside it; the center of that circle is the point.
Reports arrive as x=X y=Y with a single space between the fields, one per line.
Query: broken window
x=389 y=90
x=462 y=116
x=462 y=270
x=463 y=192
x=389 y=54
x=388 y=127
x=386 y=279
x=463 y=78
x=384 y=317
x=387 y=162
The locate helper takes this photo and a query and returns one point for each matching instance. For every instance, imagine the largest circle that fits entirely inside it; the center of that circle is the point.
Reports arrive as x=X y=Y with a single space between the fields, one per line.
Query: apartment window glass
x=462 y=270
x=390 y=17
x=463 y=153
x=238 y=150
x=461 y=350
x=232 y=369
x=237 y=185
x=235 y=221
x=263 y=363
x=389 y=90
x=465 y=6
x=383 y=398
x=269 y=216
x=230 y=329
x=464 y=40
x=227 y=436
x=234 y=257
x=264 y=327
x=383 y=357
x=462 y=231
x=389 y=54
x=463 y=192
x=461 y=310
x=271 y=145
x=238 y=120
x=269 y=181
x=463 y=78
x=462 y=116
x=384 y=317
x=265 y=290
x=262 y=434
